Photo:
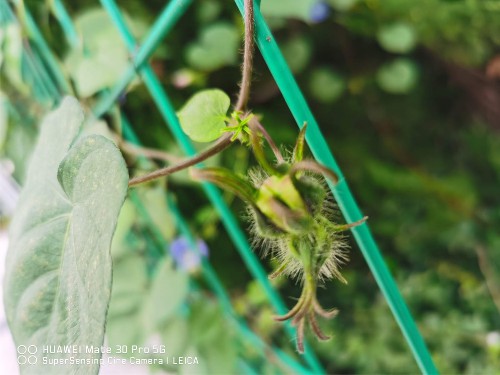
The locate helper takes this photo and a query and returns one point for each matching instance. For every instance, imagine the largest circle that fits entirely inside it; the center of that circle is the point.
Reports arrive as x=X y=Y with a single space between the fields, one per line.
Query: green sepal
x=312 y=192
x=258 y=151
x=298 y=151
x=283 y=205
x=227 y=180
x=264 y=227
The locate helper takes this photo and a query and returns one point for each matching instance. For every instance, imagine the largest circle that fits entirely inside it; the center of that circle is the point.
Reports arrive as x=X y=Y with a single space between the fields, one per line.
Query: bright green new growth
x=58 y=272
x=203 y=116
x=241 y=129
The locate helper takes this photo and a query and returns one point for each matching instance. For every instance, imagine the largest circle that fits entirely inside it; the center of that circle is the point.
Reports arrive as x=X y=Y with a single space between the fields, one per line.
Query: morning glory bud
x=293 y=219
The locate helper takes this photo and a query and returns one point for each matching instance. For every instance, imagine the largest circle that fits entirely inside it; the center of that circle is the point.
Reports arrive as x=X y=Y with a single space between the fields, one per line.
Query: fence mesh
x=43 y=72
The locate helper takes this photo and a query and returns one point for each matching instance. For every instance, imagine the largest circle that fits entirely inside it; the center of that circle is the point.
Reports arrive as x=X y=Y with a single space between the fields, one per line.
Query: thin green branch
x=244 y=94
x=149 y=153
x=223 y=143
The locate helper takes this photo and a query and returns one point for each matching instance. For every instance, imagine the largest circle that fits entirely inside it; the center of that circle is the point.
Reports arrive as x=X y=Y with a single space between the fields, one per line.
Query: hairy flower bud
x=282 y=204
x=293 y=219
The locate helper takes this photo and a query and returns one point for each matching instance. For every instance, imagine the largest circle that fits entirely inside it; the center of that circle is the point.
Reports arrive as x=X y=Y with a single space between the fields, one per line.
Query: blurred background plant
x=408 y=96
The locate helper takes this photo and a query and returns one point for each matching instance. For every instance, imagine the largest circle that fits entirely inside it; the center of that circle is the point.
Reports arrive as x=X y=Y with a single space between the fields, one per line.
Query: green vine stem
x=255 y=125
x=244 y=94
x=221 y=144
x=149 y=153
x=247 y=66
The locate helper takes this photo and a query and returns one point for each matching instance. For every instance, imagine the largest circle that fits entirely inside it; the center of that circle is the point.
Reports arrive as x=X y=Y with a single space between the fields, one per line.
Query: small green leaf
x=297 y=52
x=209 y=53
x=202 y=117
x=58 y=270
x=11 y=56
x=397 y=37
x=398 y=76
x=326 y=85
x=288 y=9
x=18 y=146
x=208 y=11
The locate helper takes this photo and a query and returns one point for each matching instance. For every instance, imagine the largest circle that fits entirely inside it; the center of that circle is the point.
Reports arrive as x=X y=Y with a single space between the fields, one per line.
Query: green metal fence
x=49 y=84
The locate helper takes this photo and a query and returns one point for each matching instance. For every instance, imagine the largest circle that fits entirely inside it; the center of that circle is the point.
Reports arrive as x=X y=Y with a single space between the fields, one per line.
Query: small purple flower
x=185 y=256
x=319 y=12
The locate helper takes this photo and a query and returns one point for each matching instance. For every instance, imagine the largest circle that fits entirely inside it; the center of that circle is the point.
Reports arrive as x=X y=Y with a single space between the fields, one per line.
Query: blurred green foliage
x=422 y=158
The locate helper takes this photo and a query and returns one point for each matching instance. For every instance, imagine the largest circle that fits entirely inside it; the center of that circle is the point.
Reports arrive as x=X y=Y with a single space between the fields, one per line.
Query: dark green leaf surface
x=58 y=272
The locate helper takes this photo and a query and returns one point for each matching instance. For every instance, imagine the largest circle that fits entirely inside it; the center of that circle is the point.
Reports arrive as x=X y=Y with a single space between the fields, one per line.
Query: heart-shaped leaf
x=58 y=271
x=202 y=117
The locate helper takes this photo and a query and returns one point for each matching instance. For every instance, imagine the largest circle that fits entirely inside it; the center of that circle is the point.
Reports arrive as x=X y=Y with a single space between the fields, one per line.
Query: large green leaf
x=140 y=309
x=58 y=271
x=130 y=285
x=168 y=292
x=101 y=59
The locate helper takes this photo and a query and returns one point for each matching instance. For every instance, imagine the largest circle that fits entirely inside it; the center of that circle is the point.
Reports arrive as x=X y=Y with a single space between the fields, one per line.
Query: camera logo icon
x=26 y=354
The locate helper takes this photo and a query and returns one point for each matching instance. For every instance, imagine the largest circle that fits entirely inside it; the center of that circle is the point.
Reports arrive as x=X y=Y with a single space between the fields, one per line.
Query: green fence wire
x=302 y=114
x=208 y=272
x=345 y=199
x=168 y=112
x=33 y=72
